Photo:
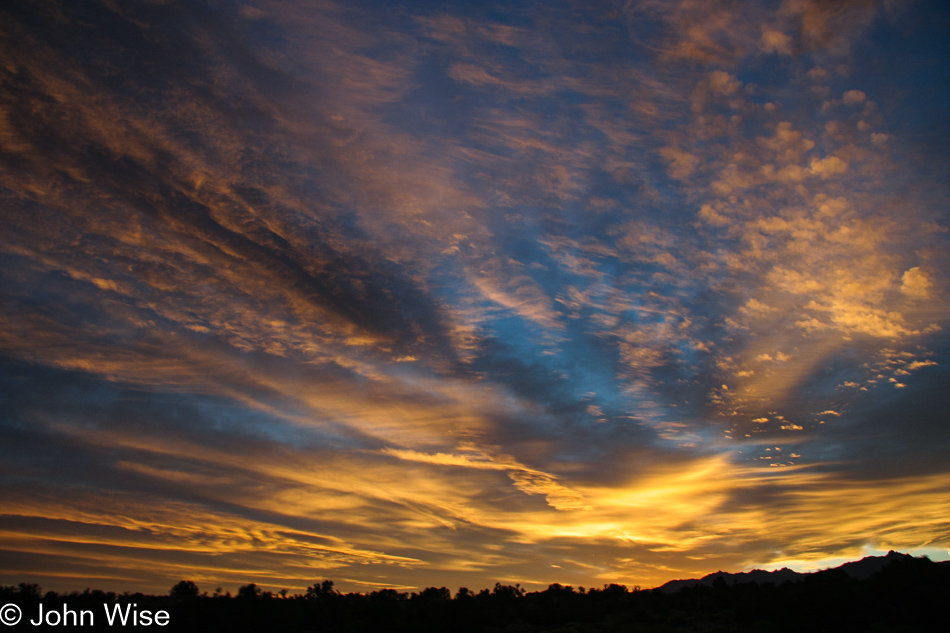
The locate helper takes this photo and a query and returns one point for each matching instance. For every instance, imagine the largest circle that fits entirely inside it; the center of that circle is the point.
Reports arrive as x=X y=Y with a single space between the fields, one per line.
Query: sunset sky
x=450 y=293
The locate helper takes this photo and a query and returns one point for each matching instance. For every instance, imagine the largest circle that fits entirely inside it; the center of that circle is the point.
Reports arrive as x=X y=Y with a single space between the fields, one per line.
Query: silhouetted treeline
x=907 y=595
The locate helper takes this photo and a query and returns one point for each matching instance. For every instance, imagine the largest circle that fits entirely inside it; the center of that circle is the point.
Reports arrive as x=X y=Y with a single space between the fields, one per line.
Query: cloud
x=828 y=166
x=833 y=27
x=682 y=164
x=853 y=97
x=775 y=42
x=428 y=296
x=722 y=83
x=523 y=295
x=915 y=283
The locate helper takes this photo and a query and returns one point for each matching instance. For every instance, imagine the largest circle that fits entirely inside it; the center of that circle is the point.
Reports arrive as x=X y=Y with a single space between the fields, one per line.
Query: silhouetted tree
x=388 y=595
x=323 y=590
x=509 y=592
x=184 y=589
x=433 y=595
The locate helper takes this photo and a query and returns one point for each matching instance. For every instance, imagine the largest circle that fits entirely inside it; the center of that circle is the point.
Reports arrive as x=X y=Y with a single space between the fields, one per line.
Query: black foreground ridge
x=897 y=592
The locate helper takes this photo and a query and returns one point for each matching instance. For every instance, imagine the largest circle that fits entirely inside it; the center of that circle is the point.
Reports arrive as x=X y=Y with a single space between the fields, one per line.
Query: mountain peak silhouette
x=858 y=570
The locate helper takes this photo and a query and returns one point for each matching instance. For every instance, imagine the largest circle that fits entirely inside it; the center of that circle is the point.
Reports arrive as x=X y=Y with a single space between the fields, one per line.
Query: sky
x=456 y=293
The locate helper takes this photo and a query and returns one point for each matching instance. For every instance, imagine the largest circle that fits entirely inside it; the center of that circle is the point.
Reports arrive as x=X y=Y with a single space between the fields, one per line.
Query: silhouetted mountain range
x=858 y=570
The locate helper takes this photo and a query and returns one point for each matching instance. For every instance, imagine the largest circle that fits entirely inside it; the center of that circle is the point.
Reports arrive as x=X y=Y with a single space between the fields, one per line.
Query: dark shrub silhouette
x=249 y=592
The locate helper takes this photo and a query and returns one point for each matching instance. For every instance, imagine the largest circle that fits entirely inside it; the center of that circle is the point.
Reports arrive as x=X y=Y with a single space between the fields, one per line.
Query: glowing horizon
x=444 y=294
